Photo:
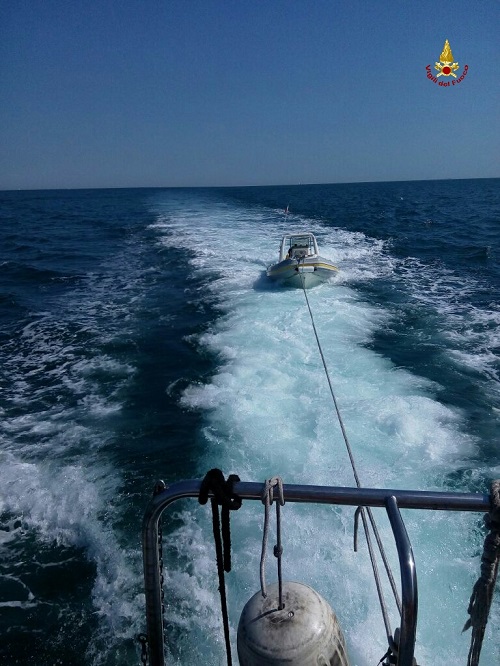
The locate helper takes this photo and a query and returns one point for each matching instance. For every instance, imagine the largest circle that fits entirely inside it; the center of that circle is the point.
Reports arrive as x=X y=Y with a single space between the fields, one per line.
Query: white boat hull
x=306 y=273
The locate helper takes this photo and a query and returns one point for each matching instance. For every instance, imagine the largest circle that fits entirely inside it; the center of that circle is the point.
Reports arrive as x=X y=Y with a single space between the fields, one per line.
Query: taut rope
x=361 y=510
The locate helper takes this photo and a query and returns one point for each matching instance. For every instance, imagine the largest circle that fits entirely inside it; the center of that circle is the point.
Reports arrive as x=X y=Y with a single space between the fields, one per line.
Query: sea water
x=140 y=339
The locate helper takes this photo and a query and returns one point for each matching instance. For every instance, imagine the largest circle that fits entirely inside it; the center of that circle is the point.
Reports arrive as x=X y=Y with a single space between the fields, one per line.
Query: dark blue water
x=139 y=340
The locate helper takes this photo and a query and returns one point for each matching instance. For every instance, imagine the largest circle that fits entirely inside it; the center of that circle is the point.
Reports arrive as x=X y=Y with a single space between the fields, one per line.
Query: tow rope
x=482 y=594
x=361 y=510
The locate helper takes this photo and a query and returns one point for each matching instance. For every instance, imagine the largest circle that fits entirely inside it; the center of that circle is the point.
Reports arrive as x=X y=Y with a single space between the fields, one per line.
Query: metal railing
x=392 y=500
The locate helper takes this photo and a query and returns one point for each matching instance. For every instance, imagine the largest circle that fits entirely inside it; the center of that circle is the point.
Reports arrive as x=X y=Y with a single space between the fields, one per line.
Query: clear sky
x=124 y=93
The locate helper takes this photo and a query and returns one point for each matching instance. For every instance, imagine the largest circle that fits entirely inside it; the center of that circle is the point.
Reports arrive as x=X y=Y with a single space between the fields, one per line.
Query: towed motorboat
x=299 y=263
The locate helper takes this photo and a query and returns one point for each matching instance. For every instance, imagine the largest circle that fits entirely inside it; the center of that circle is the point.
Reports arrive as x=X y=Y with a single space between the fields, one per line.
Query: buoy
x=305 y=632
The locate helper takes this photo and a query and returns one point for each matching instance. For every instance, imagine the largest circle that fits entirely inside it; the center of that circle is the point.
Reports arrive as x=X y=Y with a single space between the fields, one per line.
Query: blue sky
x=238 y=92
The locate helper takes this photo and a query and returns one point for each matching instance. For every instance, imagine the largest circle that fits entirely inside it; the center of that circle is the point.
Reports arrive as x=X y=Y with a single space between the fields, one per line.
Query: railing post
x=153 y=583
x=409 y=592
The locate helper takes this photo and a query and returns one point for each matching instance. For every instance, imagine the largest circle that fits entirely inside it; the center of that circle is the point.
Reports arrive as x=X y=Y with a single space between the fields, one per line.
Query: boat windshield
x=303 y=241
x=298 y=245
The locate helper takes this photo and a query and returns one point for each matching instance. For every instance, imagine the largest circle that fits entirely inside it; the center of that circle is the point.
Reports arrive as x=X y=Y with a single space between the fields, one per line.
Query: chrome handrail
x=392 y=500
x=409 y=592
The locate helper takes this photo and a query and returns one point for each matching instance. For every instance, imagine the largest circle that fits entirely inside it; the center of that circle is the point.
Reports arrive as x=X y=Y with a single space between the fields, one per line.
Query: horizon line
x=213 y=187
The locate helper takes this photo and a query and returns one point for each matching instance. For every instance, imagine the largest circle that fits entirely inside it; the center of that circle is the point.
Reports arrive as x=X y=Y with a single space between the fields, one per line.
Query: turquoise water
x=141 y=340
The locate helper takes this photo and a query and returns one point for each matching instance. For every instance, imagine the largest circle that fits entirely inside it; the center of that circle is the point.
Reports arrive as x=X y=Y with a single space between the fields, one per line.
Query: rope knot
x=222 y=490
x=268 y=494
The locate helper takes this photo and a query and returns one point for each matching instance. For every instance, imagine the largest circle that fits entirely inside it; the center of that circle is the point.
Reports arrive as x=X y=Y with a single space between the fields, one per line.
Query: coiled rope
x=361 y=510
x=225 y=497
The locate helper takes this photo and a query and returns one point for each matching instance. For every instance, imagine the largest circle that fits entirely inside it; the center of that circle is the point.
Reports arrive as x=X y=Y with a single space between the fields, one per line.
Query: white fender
x=304 y=633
